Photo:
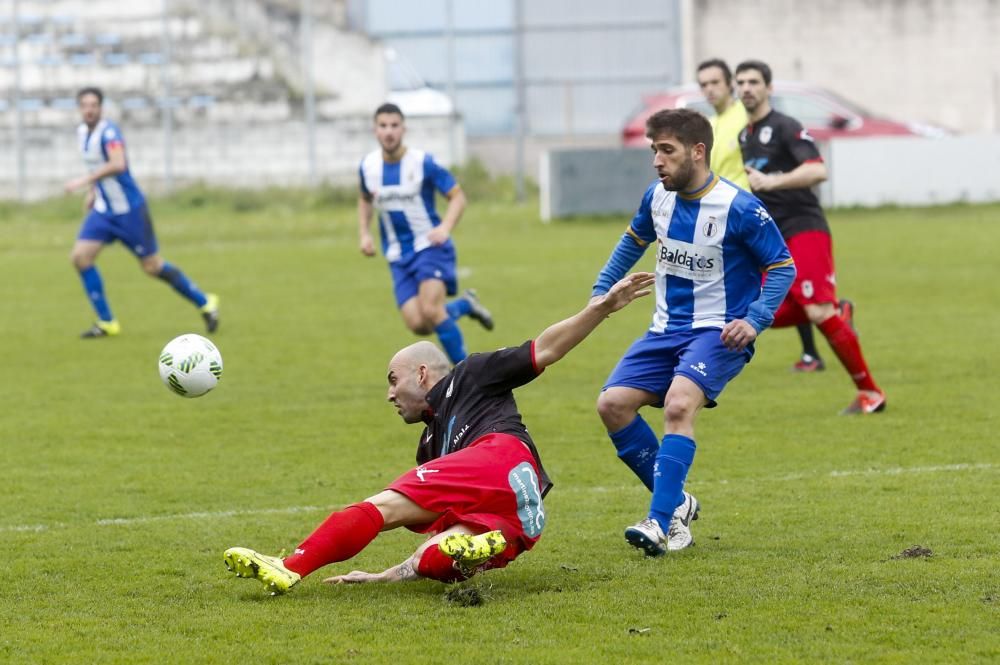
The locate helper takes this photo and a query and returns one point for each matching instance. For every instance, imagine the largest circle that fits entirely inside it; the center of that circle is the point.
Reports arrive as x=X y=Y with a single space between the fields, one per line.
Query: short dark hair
x=90 y=90
x=389 y=107
x=760 y=66
x=686 y=125
x=721 y=64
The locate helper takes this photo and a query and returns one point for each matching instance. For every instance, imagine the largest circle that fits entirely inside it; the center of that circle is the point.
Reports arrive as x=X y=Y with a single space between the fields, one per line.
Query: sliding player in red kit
x=479 y=485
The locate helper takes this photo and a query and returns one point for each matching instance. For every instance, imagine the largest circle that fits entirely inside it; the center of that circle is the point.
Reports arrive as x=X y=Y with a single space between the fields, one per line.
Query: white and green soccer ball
x=190 y=365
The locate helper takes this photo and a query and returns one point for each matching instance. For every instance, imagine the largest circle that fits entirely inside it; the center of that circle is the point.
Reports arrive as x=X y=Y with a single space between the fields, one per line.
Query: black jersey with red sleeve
x=778 y=143
x=476 y=399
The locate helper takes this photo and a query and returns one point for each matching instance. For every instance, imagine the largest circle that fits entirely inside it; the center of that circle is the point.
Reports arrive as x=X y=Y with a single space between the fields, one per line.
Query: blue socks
x=451 y=339
x=94 y=286
x=672 y=464
x=184 y=286
x=458 y=308
x=637 y=446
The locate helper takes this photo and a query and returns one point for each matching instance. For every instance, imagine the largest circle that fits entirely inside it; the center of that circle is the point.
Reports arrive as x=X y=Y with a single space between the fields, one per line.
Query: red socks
x=342 y=535
x=437 y=565
x=844 y=342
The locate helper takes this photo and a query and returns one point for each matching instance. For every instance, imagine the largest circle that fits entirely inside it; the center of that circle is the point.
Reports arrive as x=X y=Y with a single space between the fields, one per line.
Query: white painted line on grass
x=126 y=521
x=223 y=514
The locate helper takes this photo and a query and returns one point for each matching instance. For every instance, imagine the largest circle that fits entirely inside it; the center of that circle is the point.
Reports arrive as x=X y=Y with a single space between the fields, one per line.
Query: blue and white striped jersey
x=403 y=192
x=711 y=250
x=115 y=194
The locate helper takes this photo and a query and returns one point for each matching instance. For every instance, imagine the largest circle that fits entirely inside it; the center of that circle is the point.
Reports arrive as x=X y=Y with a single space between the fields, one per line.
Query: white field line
x=224 y=514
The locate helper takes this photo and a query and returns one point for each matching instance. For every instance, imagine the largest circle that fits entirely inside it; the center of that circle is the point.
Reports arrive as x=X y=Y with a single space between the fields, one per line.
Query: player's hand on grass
x=354 y=577
x=438 y=236
x=738 y=334
x=626 y=290
x=367 y=245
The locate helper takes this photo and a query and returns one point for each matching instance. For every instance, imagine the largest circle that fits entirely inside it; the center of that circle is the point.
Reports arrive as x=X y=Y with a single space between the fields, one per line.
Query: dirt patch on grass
x=915 y=552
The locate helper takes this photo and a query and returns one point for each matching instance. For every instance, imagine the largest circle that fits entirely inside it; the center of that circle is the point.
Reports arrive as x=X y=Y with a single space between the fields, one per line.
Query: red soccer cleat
x=867 y=401
x=808 y=363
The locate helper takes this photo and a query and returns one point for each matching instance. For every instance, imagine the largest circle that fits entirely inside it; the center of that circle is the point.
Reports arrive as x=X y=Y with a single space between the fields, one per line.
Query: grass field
x=118 y=497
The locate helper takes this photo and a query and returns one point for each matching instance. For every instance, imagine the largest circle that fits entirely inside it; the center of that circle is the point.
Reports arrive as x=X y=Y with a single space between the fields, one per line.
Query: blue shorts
x=653 y=361
x=134 y=229
x=431 y=263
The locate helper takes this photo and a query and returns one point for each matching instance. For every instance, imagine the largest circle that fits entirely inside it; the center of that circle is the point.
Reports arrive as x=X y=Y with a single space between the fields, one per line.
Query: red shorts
x=815 y=280
x=492 y=484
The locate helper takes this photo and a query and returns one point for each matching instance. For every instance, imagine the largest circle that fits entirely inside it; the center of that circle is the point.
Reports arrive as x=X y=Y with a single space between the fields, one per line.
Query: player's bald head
x=421 y=353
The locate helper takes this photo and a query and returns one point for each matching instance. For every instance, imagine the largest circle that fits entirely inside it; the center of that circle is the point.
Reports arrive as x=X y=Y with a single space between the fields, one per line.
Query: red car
x=823 y=113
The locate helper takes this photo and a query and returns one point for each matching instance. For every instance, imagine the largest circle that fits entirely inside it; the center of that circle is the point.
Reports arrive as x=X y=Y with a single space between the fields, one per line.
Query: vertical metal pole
x=450 y=47
x=18 y=111
x=305 y=38
x=167 y=103
x=520 y=110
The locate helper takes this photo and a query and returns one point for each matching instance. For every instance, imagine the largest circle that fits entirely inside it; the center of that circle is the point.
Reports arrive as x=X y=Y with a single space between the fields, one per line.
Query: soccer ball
x=190 y=365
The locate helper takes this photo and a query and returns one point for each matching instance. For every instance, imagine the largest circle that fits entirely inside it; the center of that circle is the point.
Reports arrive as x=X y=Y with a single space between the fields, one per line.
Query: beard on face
x=681 y=178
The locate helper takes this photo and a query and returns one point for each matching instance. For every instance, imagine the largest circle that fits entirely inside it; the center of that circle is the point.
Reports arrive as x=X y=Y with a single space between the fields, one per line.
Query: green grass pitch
x=119 y=497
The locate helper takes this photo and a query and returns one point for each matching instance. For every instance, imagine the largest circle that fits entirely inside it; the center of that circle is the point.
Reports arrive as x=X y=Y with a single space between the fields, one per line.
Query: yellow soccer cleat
x=268 y=569
x=102 y=329
x=470 y=551
x=210 y=312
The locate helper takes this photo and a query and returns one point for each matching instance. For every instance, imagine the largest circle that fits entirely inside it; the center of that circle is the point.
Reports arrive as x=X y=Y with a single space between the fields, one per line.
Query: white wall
x=913 y=171
x=935 y=61
x=224 y=154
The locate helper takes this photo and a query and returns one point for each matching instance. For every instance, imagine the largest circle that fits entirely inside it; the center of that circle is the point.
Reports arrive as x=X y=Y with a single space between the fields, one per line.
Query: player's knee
x=817 y=314
x=679 y=408
x=614 y=411
x=152 y=266
x=80 y=261
x=419 y=327
x=431 y=314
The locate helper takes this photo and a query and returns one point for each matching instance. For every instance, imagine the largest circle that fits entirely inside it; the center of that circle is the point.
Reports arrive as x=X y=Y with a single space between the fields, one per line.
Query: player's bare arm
x=116 y=164
x=365 y=212
x=403 y=572
x=559 y=338
x=456 y=206
x=804 y=175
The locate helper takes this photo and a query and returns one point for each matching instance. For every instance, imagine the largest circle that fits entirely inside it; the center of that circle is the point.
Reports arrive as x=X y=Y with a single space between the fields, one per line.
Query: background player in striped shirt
x=713 y=242
x=401 y=182
x=784 y=163
x=116 y=210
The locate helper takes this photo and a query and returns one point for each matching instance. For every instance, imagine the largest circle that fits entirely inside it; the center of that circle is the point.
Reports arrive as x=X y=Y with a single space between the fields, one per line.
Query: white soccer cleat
x=679 y=534
x=648 y=537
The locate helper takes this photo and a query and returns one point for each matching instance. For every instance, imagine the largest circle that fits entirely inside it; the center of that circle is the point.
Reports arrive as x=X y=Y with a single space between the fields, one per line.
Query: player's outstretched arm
x=402 y=572
x=558 y=339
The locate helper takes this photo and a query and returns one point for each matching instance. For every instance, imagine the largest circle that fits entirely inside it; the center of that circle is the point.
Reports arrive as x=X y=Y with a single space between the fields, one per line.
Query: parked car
x=825 y=114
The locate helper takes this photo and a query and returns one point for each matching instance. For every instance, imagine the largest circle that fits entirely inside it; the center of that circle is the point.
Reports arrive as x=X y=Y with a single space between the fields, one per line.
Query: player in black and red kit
x=479 y=485
x=783 y=163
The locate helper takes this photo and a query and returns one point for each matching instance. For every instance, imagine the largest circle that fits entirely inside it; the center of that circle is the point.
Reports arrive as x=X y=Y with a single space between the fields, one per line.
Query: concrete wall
x=223 y=154
x=906 y=171
x=935 y=61
x=913 y=171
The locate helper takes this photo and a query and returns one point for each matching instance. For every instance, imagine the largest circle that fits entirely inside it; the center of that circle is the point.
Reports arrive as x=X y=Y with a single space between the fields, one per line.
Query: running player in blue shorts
x=401 y=182
x=116 y=210
x=714 y=241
